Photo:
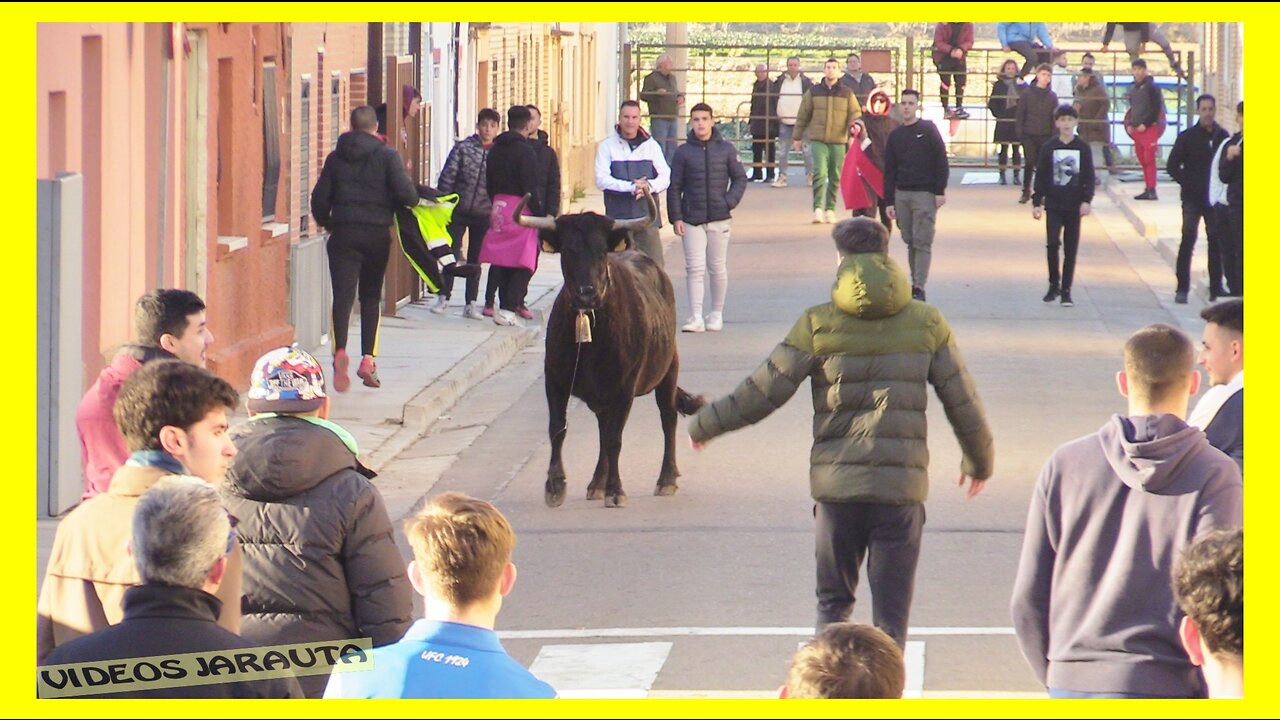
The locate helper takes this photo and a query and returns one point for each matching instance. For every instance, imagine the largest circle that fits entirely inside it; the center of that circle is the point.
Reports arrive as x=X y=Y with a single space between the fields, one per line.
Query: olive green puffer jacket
x=869 y=353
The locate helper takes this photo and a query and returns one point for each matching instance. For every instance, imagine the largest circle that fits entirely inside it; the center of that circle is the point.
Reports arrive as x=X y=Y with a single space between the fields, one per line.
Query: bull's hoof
x=594 y=493
x=554 y=498
x=665 y=490
x=616 y=501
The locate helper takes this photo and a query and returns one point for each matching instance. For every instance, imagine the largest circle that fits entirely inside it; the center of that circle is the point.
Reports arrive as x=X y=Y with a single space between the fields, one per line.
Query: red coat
x=861 y=181
x=944 y=42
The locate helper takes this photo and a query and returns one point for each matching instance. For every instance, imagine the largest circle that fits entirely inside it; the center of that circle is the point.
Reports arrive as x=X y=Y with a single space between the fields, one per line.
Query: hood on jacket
x=871 y=286
x=1145 y=451
x=543 y=138
x=640 y=133
x=715 y=135
x=282 y=456
x=357 y=146
x=509 y=137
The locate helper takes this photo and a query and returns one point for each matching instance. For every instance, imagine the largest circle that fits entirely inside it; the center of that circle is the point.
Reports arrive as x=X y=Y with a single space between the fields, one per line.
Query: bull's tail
x=687 y=404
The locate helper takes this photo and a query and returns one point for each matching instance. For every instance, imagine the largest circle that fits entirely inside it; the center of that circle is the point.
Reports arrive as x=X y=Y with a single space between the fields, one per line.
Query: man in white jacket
x=627 y=163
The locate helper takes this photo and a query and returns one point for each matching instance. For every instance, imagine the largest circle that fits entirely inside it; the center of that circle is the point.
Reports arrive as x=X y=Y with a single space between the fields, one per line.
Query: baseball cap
x=286 y=380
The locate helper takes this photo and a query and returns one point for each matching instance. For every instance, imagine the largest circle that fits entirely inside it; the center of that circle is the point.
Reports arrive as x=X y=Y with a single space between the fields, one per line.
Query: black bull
x=629 y=306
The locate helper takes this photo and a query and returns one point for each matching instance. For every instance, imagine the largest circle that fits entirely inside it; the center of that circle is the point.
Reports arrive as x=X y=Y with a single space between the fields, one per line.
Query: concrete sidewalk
x=1160 y=223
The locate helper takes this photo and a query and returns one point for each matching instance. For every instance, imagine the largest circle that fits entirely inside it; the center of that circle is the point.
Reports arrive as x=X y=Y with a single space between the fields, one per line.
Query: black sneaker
x=1052 y=294
x=962 y=114
x=1180 y=297
x=917 y=293
x=1147 y=194
x=1066 y=299
x=1026 y=198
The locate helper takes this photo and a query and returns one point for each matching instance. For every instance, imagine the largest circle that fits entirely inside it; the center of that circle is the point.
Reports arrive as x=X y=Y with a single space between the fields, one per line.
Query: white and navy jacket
x=618 y=167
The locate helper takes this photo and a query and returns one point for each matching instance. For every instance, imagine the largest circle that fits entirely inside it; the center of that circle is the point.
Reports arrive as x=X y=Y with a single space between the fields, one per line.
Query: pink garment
x=508 y=244
x=102 y=447
x=861 y=181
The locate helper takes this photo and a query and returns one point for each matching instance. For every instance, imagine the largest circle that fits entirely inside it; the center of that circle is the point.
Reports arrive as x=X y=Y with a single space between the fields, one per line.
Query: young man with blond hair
x=462 y=569
x=847 y=661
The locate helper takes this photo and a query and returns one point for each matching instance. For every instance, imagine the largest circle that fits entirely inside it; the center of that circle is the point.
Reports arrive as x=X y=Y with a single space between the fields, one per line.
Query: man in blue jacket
x=1030 y=40
x=707 y=182
x=462 y=568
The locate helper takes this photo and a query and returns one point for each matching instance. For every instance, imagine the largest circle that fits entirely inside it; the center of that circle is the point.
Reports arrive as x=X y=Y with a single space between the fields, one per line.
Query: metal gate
x=722 y=76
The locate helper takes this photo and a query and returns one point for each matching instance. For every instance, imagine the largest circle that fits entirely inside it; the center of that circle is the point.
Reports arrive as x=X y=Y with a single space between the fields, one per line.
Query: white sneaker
x=715 y=322
x=780 y=182
x=818 y=215
x=440 y=305
x=472 y=312
x=830 y=217
x=507 y=318
x=695 y=324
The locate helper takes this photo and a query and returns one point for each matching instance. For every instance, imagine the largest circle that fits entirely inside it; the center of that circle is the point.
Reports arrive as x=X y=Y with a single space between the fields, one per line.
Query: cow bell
x=583 y=327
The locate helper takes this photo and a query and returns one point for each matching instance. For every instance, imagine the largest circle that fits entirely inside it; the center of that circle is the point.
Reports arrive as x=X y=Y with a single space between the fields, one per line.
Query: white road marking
x=979 y=178
x=614 y=670
x=913 y=658
x=585 y=633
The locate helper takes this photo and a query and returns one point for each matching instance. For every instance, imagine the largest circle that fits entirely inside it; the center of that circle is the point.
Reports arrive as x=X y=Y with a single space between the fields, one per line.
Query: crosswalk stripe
x=913 y=658
x=586 y=633
x=611 y=670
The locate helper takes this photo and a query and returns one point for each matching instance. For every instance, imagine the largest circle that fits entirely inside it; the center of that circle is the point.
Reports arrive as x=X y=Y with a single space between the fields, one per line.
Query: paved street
x=708 y=593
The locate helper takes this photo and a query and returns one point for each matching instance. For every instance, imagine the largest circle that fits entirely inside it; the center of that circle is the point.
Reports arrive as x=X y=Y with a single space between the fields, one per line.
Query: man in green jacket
x=869 y=354
x=827 y=111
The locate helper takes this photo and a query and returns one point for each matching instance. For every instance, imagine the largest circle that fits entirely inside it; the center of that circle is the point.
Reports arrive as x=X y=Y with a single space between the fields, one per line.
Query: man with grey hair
x=789 y=89
x=868 y=354
x=181 y=537
x=661 y=92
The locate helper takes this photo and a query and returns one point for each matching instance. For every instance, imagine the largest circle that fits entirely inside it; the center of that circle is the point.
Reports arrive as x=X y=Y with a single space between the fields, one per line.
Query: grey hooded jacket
x=1093 y=605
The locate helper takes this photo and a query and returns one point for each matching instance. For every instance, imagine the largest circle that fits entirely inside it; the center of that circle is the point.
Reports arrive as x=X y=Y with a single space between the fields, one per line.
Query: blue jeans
x=1077 y=695
x=666 y=132
x=785 y=136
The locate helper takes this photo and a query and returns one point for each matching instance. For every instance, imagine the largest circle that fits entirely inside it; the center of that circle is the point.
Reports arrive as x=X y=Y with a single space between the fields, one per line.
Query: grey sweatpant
x=917 y=211
x=888 y=536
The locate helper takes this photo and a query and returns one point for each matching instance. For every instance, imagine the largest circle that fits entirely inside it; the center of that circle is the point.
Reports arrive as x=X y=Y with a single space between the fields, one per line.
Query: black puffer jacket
x=463 y=173
x=548 y=192
x=1034 y=114
x=320 y=562
x=363 y=181
x=513 y=169
x=707 y=180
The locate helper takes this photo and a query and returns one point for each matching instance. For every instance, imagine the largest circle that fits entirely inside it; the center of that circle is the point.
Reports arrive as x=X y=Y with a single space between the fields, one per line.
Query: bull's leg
x=612 y=421
x=595 y=490
x=557 y=408
x=665 y=394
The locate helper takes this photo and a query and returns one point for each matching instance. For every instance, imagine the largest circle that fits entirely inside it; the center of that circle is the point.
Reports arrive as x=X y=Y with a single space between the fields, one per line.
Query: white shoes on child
x=713 y=323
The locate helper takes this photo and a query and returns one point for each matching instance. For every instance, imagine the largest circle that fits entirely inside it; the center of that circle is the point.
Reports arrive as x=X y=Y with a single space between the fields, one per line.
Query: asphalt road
x=708 y=592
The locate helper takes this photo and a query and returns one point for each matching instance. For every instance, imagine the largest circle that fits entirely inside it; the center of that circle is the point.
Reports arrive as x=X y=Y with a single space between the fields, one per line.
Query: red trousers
x=1144 y=146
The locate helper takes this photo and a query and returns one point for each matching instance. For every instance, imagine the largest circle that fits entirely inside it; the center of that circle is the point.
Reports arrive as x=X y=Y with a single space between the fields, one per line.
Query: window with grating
x=304 y=160
x=270 y=141
x=335 y=107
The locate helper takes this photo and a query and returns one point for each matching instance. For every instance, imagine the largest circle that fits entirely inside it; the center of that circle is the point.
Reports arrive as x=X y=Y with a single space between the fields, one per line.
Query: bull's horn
x=638 y=224
x=532 y=221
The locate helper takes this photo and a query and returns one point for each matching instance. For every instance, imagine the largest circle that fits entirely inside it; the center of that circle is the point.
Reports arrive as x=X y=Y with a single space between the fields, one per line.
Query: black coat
x=320 y=561
x=363 y=181
x=464 y=173
x=547 y=192
x=513 y=169
x=707 y=180
x=1226 y=430
x=166 y=620
x=1003 y=110
x=764 y=111
x=1034 y=114
x=1189 y=162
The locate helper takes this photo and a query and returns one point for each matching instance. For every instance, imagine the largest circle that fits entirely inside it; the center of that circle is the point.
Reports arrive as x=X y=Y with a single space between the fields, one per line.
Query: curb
x=1165 y=247
x=424 y=409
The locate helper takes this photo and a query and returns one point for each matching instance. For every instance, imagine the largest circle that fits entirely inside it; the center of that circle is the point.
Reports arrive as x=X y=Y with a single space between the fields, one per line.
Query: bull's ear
x=550 y=241
x=620 y=240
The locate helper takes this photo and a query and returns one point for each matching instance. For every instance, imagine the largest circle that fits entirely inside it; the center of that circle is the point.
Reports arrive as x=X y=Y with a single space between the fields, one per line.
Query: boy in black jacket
x=1064 y=185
